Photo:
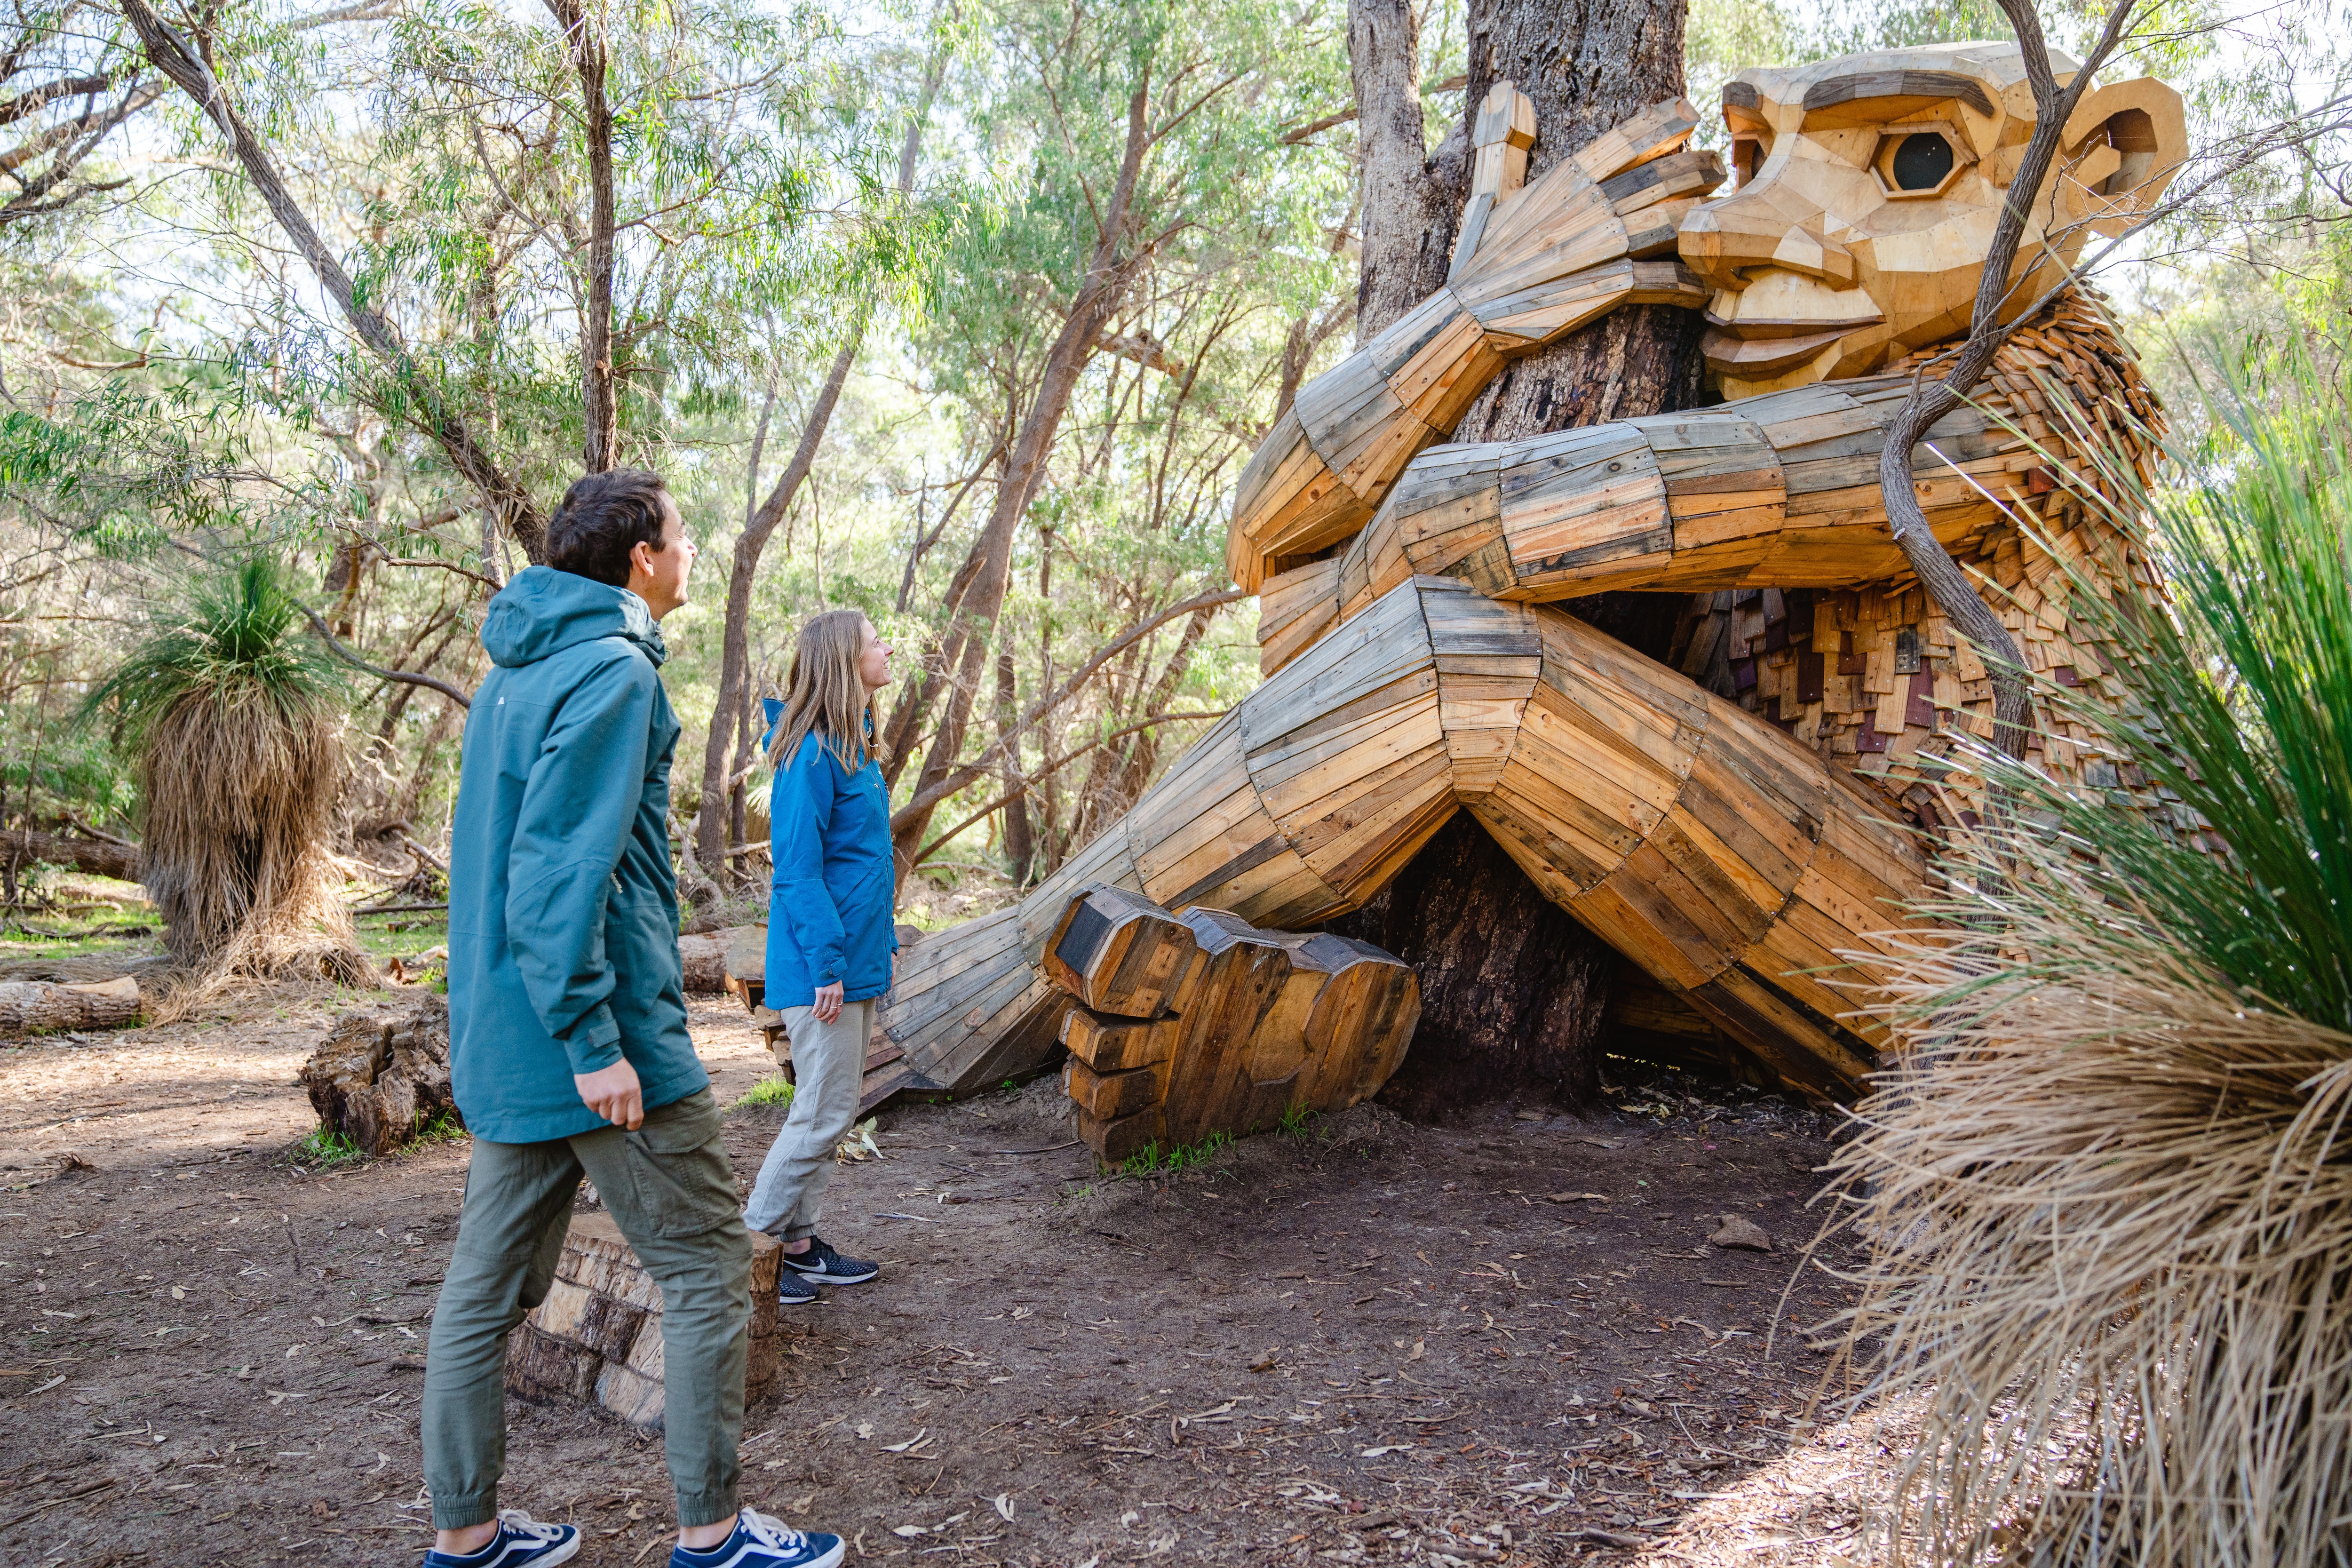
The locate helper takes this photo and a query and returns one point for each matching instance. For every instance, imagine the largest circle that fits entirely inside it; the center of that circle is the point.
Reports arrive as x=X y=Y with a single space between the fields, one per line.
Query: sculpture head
x=1868 y=190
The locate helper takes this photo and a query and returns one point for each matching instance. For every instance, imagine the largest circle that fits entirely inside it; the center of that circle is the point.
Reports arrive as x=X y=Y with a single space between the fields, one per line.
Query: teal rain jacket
x=829 y=918
x=562 y=904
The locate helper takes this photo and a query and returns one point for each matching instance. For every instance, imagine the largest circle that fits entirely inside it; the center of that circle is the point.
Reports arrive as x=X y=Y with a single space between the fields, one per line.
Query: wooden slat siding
x=949 y=1052
x=1488 y=658
x=1243 y=978
x=1438 y=384
x=1021 y=1036
x=1361 y=1025
x=1814 y=1061
x=1104 y=862
x=1111 y=1044
x=1134 y=953
x=1676 y=174
x=1286 y=491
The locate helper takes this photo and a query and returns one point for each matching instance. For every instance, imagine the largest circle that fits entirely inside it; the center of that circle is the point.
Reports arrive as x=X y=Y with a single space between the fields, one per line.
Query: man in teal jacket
x=568 y=1043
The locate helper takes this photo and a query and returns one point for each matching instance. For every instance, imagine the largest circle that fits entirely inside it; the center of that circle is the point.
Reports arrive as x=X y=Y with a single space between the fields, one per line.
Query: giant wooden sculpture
x=1729 y=845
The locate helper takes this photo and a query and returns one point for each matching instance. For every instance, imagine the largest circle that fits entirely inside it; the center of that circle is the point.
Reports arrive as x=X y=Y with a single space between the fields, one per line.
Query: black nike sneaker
x=821 y=1265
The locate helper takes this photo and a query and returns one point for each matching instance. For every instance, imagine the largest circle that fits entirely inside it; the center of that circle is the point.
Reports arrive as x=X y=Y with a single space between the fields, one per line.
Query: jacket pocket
x=678 y=1169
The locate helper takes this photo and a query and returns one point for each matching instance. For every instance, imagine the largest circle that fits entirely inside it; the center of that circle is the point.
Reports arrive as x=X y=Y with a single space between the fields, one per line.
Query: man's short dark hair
x=602 y=517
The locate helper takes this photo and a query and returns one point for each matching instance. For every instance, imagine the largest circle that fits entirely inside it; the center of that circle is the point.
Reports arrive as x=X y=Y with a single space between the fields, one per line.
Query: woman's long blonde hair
x=824 y=694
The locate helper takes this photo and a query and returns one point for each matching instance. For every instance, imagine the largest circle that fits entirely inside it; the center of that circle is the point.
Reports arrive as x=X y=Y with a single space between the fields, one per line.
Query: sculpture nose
x=1718 y=239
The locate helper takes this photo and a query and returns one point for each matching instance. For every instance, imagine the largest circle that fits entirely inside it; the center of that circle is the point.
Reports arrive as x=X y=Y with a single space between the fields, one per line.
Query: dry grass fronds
x=232 y=724
x=2110 y=1208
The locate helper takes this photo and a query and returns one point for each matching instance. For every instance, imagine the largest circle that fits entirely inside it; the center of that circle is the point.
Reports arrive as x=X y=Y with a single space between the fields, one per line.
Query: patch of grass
x=770 y=1091
x=1151 y=1159
x=446 y=1128
x=325 y=1147
x=1294 y=1119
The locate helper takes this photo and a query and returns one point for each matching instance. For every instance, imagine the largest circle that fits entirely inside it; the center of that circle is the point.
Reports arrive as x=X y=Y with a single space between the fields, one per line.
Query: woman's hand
x=828 y=1003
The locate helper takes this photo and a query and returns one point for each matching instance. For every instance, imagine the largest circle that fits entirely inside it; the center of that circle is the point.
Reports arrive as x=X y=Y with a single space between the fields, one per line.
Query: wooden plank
x=1106 y=1097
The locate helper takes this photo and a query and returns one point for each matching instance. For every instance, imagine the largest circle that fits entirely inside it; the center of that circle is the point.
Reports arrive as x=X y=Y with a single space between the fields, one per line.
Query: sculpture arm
x=1779 y=490
x=1594 y=232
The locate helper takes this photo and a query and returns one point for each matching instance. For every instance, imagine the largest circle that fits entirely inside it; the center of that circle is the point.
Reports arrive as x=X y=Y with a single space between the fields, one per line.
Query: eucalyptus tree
x=542 y=230
x=1152 y=237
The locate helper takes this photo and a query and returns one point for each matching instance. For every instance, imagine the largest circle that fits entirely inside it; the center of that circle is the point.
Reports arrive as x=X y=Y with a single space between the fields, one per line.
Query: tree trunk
x=1512 y=989
x=722 y=761
x=1111 y=270
x=95 y=856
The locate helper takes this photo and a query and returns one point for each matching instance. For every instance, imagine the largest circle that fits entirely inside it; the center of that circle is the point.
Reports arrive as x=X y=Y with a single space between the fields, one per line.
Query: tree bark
x=1513 y=991
x=39 y=1007
x=599 y=403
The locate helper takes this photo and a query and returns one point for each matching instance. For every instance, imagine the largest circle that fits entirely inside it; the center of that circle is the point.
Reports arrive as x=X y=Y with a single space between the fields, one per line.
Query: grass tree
x=2108 y=1198
x=230 y=713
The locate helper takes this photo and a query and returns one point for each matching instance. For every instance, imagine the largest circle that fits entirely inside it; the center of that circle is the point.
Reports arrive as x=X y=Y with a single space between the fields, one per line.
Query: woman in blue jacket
x=830 y=936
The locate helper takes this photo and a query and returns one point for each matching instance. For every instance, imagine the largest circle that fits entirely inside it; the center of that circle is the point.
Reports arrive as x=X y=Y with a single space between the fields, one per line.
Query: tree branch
x=405 y=677
x=1056 y=765
x=187 y=70
x=928 y=796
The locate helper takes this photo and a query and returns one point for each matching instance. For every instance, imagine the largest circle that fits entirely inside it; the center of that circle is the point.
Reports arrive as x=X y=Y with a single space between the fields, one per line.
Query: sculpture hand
x=1532 y=265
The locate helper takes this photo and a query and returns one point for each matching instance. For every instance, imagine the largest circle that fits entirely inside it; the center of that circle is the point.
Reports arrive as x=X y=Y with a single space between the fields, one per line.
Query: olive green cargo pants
x=669 y=1188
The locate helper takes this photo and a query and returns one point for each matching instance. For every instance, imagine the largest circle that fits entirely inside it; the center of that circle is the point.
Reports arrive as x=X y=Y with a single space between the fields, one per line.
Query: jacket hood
x=541 y=611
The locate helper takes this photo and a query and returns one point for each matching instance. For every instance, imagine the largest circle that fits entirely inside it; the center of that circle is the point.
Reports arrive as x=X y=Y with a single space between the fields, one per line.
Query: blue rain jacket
x=829 y=918
x=562 y=904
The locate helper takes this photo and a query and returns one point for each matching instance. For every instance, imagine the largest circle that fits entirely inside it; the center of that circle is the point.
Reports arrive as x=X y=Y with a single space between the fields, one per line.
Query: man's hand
x=615 y=1093
x=828 y=1003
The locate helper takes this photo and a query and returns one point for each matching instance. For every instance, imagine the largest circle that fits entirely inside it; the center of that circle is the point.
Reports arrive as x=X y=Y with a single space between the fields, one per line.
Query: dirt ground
x=1375 y=1343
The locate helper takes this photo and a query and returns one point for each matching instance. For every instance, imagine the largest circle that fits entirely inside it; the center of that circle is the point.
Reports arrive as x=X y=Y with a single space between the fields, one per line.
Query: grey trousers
x=669 y=1188
x=828 y=1069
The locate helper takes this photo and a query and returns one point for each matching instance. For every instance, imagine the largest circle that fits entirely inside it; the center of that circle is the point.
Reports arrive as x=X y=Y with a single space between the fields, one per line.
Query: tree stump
x=597 y=1338
x=379 y=1078
x=40 y=1008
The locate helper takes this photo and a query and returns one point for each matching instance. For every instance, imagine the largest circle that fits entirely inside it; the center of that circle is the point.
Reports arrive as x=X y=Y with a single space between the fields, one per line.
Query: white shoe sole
x=822 y=1279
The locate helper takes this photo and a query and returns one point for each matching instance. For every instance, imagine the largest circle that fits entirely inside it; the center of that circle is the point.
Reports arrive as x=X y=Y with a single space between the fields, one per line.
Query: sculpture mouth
x=1732 y=353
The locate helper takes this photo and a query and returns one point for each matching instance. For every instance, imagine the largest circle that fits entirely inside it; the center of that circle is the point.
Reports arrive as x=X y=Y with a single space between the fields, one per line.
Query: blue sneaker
x=521 y=1541
x=759 y=1542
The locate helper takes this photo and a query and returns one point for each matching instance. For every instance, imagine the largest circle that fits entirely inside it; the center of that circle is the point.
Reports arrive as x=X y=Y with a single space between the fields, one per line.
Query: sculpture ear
x=2125 y=143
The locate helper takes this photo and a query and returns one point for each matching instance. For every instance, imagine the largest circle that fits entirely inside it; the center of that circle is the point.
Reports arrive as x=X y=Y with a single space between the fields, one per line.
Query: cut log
x=1118 y=952
x=40 y=1008
x=1260 y=1024
x=96 y=857
x=703 y=960
x=597 y=1338
x=381 y=1076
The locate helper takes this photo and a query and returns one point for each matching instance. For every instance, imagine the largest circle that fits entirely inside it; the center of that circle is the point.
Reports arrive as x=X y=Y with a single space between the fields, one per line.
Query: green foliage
x=234 y=639
x=2243 y=709
x=1152 y=1160
x=323 y=1148
x=770 y=1090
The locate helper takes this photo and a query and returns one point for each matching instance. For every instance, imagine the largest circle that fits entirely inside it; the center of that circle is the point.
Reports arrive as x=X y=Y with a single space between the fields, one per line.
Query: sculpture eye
x=1921 y=162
